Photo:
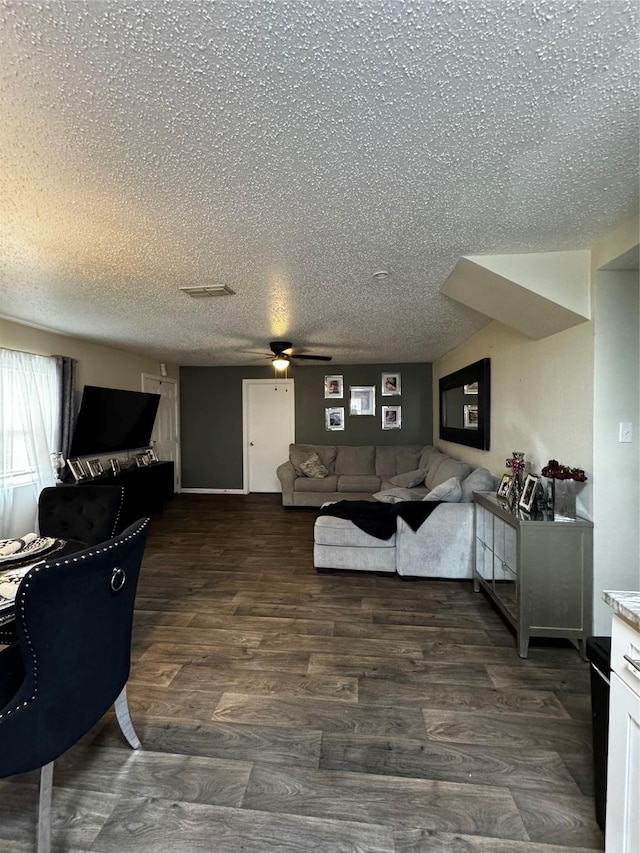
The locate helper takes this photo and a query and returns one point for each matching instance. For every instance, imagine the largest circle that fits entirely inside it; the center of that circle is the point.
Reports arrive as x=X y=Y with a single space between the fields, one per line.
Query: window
x=29 y=404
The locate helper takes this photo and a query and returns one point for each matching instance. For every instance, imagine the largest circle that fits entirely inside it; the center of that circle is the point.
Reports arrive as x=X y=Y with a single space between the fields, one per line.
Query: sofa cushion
x=331 y=530
x=450 y=491
x=479 y=480
x=355 y=460
x=307 y=484
x=313 y=467
x=385 y=464
x=299 y=452
x=410 y=479
x=358 y=483
x=396 y=459
x=443 y=467
x=393 y=496
x=425 y=455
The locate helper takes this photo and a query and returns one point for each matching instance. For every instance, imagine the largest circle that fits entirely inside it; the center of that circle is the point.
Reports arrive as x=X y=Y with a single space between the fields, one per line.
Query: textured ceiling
x=289 y=149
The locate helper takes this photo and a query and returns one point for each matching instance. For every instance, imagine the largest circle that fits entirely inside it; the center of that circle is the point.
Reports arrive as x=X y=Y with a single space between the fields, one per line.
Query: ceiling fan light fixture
x=280 y=362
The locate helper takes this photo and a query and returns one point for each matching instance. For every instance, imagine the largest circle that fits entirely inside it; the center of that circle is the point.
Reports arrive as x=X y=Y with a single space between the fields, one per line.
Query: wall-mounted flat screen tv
x=111 y=420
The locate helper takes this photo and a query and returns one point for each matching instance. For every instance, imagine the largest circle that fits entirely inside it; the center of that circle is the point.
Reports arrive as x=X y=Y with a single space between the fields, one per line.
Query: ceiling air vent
x=200 y=291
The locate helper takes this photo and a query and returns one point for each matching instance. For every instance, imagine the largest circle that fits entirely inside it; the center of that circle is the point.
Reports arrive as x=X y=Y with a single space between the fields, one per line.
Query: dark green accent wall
x=211 y=414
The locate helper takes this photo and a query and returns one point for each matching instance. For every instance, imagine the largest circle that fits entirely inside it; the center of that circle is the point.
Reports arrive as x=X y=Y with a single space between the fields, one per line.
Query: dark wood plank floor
x=282 y=710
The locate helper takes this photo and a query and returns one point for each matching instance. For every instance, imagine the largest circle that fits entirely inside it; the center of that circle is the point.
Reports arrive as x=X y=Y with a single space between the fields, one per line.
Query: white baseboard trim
x=213 y=491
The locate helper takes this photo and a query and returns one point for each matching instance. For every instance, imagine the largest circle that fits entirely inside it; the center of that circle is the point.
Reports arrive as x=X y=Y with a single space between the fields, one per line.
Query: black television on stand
x=111 y=420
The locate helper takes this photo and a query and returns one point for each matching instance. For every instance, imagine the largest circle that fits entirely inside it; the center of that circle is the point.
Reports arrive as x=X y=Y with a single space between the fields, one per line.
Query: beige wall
x=541 y=398
x=97 y=365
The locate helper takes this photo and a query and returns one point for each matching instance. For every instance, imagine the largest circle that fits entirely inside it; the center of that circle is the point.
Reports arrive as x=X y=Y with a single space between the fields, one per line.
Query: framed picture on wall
x=392 y=417
x=470 y=415
x=391 y=386
x=334 y=418
x=333 y=387
x=362 y=400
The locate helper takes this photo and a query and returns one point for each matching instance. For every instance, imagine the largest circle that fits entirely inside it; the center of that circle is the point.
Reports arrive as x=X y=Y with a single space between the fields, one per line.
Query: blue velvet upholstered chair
x=88 y=514
x=71 y=661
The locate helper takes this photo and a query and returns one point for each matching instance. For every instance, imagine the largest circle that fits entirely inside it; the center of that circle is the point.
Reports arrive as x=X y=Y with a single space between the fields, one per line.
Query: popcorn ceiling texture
x=290 y=148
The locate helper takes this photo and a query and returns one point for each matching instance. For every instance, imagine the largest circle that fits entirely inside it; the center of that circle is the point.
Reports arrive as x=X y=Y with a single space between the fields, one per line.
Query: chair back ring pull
x=118 y=578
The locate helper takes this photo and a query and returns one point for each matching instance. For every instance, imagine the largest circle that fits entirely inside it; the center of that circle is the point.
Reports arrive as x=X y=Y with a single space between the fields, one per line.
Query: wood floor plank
x=520 y=731
x=264 y=683
x=425 y=841
x=317 y=713
x=189 y=778
x=260 y=624
x=573 y=680
x=225 y=657
x=395 y=801
x=342 y=645
x=142 y=826
x=76 y=816
x=550 y=817
x=298 y=747
x=423 y=759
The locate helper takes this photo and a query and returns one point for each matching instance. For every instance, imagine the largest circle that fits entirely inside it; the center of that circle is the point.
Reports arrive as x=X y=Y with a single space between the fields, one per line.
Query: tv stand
x=145 y=489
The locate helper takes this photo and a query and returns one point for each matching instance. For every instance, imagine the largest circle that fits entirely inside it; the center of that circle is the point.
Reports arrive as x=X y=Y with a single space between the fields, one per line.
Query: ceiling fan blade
x=311 y=357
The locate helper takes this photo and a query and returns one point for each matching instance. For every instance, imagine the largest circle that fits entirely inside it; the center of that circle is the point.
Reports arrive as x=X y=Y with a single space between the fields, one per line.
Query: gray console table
x=536 y=570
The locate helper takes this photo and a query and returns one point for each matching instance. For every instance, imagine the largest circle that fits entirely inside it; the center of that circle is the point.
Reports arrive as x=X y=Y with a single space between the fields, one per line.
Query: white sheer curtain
x=29 y=430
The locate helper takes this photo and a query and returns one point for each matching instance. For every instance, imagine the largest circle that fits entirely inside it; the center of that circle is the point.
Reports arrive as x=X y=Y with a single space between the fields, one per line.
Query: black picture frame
x=452 y=401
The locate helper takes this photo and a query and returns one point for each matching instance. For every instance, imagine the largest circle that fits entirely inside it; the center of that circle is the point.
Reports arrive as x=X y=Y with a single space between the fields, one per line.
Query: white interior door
x=166 y=430
x=268 y=418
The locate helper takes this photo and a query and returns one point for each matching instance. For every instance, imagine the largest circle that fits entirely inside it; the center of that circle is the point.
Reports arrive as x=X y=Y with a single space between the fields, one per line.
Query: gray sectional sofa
x=441 y=547
x=357 y=473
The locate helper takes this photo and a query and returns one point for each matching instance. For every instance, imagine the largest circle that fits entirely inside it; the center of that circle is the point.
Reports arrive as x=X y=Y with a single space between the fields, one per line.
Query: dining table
x=14 y=566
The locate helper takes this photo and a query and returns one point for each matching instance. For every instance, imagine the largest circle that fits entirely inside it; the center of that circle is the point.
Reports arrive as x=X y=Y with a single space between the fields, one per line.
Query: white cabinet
x=623 y=770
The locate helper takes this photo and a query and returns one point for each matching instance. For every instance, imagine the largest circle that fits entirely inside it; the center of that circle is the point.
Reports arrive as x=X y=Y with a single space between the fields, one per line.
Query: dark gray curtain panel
x=67 y=385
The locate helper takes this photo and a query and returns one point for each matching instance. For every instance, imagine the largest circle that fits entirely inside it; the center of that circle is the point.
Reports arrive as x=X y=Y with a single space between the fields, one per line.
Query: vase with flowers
x=516 y=463
x=564 y=482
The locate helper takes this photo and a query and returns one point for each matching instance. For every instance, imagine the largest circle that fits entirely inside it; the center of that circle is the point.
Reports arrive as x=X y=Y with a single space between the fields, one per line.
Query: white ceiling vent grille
x=200 y=291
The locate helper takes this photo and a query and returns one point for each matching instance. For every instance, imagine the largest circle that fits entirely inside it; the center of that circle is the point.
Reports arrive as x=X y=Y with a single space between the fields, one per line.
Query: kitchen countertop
x=625 y=604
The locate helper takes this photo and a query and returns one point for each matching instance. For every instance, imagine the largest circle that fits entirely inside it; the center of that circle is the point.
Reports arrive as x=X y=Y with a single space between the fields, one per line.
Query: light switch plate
x=626 y=432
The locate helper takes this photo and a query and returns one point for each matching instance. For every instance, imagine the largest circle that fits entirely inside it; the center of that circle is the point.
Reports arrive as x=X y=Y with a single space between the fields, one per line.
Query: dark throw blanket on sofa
x=379 y=519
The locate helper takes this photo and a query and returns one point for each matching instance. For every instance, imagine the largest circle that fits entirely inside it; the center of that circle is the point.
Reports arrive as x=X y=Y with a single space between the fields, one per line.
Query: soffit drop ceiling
x=290 y=149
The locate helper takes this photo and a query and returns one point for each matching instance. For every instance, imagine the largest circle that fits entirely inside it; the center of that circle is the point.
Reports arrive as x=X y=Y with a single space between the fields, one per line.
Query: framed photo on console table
x=77 y=469
x=95 y=467
x=506 y=484
x=529 y=492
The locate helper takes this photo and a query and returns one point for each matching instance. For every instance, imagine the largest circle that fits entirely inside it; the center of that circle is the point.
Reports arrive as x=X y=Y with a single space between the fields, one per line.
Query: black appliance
x=599 y=653
x=112 y=420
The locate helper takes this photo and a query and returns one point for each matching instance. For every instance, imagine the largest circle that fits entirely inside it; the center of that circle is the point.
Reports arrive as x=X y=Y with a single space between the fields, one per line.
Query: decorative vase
x=564 y=499
x=57 y=463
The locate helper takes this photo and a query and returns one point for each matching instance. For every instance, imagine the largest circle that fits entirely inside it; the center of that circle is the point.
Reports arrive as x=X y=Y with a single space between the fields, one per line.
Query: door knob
x=250 y=444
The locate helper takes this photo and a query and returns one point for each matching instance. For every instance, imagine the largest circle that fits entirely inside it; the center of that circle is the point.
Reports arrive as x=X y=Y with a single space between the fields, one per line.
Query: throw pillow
x=394 y=496
x=450 y=491
x=312 y=467
x=479 y=480
x=408 y=480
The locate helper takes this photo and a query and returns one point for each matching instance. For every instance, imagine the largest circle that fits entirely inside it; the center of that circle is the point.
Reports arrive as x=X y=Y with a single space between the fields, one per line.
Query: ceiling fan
x=282 y=355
